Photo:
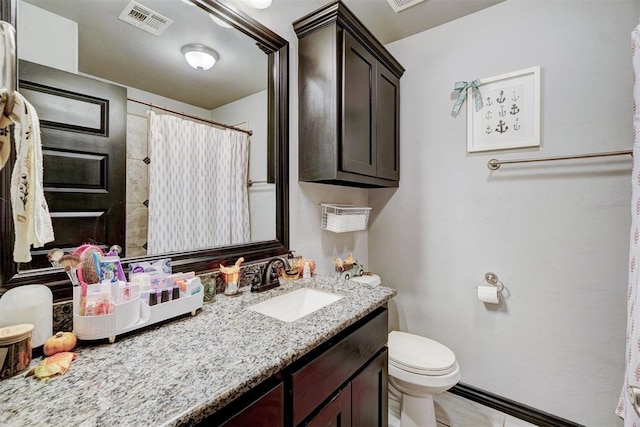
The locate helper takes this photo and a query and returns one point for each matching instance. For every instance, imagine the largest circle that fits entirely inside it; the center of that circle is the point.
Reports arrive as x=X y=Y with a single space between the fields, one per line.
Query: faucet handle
x=271 y=274
x=269 y=280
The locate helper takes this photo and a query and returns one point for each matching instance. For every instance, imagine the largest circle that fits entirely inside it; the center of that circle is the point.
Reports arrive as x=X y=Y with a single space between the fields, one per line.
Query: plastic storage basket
x=344 y=218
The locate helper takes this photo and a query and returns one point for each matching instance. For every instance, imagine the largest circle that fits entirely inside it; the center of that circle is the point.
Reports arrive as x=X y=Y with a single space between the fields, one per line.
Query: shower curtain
x=626 y=408
x=198 y=194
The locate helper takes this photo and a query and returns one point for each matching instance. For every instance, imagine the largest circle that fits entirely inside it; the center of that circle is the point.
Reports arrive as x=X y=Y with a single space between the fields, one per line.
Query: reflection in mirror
x=93 y=77
x=145 y=43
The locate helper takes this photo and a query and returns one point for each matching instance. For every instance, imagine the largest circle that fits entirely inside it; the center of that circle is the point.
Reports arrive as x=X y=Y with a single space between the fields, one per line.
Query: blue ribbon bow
x=462 y=87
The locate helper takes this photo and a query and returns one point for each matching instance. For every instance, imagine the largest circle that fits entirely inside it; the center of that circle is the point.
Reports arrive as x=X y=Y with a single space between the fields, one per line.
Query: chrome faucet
x=267 y=281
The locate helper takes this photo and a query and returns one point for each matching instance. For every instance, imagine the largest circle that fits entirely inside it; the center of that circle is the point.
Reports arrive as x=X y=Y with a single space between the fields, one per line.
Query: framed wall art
x=510 y=113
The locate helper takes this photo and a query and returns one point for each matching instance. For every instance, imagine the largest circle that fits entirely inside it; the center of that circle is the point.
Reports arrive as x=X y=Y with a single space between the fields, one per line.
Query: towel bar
x=494 y=164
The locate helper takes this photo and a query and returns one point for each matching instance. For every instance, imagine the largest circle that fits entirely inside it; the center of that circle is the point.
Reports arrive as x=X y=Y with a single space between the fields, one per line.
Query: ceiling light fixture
x=258 y=4
x=199 y=56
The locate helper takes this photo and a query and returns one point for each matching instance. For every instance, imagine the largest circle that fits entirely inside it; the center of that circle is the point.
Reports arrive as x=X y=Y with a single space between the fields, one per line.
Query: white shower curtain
x=198 y=194
x=625 y=407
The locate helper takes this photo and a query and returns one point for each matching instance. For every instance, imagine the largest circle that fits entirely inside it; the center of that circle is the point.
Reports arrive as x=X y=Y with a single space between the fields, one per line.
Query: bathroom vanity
x=227 y=365
x=343 y=379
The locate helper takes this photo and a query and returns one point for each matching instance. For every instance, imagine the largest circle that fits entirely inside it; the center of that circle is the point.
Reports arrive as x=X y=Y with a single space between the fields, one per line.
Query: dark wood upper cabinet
x=349 y=102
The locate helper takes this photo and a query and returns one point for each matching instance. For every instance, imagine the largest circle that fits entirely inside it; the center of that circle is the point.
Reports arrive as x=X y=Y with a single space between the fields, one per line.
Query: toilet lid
x=420 y=355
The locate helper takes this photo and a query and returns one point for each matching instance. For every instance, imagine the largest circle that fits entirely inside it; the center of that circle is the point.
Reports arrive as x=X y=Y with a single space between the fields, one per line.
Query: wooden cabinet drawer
x=262 y=406
x=267 y=411
x=316 y=381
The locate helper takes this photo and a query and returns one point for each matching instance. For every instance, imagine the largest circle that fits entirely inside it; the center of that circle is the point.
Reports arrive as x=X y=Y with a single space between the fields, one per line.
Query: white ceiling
x=377 y=15
x=113 y=50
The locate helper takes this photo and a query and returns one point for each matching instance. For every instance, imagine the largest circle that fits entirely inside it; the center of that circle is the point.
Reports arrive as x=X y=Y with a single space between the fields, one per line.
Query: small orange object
x=61 y=341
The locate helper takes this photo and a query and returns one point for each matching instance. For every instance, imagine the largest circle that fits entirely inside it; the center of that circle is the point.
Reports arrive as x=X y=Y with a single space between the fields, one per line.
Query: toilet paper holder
x=492 y=279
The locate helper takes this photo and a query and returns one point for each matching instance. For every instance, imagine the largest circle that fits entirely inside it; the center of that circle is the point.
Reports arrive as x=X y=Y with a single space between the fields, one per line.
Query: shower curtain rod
x=494 y=164
x=251 y=182
x=211 y=122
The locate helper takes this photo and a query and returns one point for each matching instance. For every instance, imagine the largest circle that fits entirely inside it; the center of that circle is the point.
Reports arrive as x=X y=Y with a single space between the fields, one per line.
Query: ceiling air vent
x=144 y=18
x=399 y=5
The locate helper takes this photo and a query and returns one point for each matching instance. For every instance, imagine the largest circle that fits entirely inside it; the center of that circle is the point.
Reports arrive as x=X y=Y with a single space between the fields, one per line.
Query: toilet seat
x=420 y=355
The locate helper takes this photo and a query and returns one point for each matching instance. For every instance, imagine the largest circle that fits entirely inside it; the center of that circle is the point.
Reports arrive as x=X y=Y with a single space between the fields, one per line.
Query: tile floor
x=456 y=411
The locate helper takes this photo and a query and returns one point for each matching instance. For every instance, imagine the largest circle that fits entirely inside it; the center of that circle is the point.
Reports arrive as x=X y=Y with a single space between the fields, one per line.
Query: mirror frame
x=199 y=261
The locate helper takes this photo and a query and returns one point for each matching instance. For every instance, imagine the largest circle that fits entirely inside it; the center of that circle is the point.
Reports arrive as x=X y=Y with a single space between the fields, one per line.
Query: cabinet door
x=388 y=125
x=369 y=394
x=358 y=147
x=267 y=411
x=318 y=379
x=337 y=413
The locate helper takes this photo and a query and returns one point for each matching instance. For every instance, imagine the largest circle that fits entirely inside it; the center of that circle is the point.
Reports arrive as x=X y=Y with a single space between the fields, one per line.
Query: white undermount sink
x=294 y=305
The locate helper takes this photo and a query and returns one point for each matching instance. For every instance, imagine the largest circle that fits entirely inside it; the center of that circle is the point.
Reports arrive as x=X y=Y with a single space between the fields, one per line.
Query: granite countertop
x=181 y=371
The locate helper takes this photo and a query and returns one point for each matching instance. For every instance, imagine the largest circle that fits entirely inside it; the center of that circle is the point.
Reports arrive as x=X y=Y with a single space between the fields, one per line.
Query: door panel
x=89 y=171
x=59 y=109
x=83 y=128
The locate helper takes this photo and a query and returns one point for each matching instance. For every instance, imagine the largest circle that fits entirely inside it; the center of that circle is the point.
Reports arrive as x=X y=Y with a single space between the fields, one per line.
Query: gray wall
x=557 y=234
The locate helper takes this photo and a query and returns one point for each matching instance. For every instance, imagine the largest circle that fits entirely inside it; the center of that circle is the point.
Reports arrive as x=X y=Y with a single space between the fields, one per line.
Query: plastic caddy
x=130 y=315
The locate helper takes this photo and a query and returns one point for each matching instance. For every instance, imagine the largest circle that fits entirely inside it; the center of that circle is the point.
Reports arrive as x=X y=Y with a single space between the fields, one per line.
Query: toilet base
x=417 y=412
x=410 y=411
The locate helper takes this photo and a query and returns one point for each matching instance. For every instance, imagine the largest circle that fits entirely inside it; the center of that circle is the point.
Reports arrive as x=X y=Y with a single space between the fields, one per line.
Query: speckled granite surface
x=180 y=372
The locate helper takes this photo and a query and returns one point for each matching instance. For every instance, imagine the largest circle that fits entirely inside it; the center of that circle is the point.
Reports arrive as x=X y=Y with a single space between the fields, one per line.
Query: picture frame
x=510 y=114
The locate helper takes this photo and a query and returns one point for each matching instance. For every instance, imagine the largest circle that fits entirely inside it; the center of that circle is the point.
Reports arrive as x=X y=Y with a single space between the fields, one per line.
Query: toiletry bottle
x=306 y=271
x=105 y=304
x=123 y=293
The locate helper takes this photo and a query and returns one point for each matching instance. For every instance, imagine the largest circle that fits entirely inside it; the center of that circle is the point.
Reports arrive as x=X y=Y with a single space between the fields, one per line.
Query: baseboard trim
x=508 y=406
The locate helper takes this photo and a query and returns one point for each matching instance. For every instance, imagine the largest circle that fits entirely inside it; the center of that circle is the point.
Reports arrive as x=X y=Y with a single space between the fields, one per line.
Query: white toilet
x=419 y=368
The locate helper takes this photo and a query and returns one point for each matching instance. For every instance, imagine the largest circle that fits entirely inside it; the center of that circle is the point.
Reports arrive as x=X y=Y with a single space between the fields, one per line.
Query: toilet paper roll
x=488 y=294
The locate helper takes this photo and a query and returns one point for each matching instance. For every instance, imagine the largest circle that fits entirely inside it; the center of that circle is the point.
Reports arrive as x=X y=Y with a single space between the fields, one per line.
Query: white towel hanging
x=31 y=217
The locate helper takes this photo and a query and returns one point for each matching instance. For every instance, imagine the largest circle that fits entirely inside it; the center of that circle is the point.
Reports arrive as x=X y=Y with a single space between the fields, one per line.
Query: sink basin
x=295 y=305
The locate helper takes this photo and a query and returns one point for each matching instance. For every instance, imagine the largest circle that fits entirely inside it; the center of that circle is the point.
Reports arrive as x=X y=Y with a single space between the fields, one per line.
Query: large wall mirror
x=120 y=59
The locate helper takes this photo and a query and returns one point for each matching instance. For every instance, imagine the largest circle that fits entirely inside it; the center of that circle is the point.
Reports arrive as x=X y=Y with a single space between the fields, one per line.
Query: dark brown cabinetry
x=343 y=382
x=319 y=379
x=266 y=411
x=337 y=412
x=349 y=99
x=362 y=402
x=369 y=394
